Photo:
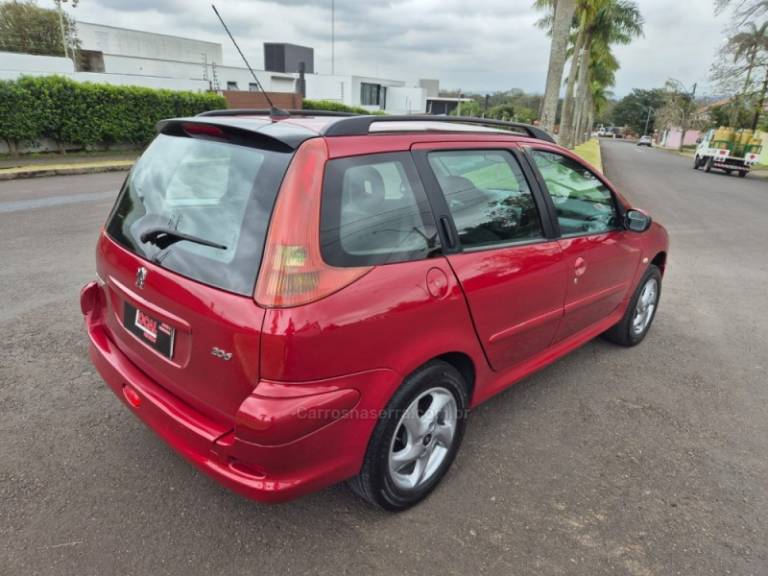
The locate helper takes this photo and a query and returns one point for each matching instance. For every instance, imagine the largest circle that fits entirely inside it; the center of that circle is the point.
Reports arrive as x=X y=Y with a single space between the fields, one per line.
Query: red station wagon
x=293 y=301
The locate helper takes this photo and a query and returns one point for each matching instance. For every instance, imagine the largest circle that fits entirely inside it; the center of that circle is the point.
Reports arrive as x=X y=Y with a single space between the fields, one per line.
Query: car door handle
x=580 y=266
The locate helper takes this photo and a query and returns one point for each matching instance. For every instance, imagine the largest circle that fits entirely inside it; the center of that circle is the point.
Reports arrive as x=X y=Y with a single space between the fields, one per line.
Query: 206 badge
x=223 y=354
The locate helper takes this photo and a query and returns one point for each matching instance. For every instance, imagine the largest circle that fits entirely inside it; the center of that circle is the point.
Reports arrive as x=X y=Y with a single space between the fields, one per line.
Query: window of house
x=232 y=85
x=372 y=94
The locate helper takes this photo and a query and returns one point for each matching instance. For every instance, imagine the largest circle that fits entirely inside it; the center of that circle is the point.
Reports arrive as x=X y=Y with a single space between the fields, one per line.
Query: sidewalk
x=590 y=151
x=58 y=165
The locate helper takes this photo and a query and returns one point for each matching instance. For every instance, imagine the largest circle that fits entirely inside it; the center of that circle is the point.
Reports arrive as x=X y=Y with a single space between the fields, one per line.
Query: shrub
x=336 y=107
x=89 y=114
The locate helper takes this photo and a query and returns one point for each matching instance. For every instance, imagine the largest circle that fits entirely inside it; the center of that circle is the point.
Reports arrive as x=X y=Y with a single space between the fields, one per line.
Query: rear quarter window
x=375 y=211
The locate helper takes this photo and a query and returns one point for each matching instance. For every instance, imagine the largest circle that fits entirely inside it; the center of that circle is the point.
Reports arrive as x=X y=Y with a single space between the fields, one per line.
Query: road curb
x=14 y=174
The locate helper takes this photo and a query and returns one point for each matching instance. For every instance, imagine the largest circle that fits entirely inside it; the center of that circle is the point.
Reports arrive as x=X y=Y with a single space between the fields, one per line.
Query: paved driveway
x=645 y=461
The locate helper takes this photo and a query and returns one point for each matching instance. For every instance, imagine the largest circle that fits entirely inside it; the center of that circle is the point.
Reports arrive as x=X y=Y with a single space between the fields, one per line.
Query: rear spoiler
x=278 y=136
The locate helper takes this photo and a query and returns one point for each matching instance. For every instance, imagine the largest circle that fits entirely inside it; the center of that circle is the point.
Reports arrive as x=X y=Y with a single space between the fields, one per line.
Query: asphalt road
x=649 y=461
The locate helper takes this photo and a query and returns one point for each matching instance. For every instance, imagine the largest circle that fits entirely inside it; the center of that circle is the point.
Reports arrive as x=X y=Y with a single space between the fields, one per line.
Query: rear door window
x=215 y=191
x=375 y=211
x=488 y=197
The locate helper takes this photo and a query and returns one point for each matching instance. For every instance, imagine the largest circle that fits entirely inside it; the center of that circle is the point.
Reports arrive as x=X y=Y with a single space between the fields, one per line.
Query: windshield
x=217 y=195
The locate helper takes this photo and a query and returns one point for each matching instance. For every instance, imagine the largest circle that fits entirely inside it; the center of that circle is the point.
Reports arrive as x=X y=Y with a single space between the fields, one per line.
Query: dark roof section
x=349 y=124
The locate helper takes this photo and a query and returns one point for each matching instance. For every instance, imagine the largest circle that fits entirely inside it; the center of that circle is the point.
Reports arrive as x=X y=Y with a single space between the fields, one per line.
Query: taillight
x=292 y=270
x=204 y=131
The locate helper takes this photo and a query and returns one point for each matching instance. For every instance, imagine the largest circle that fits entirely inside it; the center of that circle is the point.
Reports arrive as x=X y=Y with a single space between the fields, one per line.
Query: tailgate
x=180 y=254
x=200 y=318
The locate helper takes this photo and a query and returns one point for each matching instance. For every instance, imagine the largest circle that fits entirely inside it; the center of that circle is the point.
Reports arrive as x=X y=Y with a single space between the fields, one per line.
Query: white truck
x=727 y=150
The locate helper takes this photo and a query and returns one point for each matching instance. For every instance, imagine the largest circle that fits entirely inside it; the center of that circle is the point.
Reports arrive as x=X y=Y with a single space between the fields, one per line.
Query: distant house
x=122 y=56
x=670 y=137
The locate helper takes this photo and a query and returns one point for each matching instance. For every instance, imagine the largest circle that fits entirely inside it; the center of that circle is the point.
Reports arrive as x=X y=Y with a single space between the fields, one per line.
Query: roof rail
x=267 y=112
x=360 y=125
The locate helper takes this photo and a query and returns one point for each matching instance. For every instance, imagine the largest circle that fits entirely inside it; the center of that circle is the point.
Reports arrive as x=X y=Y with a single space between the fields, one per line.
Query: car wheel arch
x=465 y=366
x=462 y=361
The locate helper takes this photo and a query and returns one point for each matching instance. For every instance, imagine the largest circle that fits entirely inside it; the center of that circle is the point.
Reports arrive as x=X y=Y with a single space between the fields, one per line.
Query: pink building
x=671 y=138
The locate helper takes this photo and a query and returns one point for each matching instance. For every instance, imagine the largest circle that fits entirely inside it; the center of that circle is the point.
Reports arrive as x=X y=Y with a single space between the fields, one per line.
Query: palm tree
x=600 y=21
x=611 y=22
x=749 y=45
x=601 y=74
x=583 y=10
x=744 y=10
x=561 y=15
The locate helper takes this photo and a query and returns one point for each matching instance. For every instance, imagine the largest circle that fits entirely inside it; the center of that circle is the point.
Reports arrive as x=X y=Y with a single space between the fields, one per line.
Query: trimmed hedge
x=87 y=114
x=335 y=107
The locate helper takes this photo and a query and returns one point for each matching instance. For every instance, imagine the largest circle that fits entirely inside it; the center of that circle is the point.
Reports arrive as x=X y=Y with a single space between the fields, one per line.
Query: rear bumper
x=331 y=451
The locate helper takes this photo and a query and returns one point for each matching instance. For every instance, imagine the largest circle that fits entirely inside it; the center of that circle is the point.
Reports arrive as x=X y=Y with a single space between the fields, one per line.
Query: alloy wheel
x=423 y=438
x=645 y=307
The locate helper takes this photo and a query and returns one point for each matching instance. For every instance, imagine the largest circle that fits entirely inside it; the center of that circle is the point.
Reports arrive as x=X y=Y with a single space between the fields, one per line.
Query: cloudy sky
x=478 y=45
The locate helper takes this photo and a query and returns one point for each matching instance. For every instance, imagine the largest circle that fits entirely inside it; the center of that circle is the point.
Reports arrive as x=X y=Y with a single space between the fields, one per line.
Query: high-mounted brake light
x=293 y=271
x=204 y=130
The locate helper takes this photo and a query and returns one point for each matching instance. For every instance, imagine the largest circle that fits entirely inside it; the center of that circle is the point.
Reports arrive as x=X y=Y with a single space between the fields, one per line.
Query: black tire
x=743 y=174
x=729 y=172
x=375 y=483
x=622 y=333
x=696 y=163
x=709 y=164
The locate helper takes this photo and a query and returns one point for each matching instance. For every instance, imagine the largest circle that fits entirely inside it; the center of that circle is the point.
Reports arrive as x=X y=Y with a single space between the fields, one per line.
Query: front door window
x=583 y=203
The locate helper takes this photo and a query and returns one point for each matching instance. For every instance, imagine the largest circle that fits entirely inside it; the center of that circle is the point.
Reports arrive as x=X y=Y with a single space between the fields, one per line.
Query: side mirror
x=637 y=221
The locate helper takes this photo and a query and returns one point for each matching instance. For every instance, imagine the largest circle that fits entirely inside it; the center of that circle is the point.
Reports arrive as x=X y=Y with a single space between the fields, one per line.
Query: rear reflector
x=293 y=271
x=91 y=297
x=131 y=396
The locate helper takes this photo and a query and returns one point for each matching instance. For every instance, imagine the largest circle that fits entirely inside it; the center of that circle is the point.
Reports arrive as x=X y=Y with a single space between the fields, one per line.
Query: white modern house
x=132 y=57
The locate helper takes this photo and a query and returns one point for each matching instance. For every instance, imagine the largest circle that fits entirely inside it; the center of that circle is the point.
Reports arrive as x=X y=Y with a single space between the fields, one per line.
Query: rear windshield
x=212 y=191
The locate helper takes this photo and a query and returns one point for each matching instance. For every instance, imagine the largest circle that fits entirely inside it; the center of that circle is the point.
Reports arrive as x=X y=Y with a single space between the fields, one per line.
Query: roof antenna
x=273 y=110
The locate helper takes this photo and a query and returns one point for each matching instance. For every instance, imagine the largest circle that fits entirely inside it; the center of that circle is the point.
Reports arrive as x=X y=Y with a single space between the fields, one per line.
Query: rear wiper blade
x=164 y=237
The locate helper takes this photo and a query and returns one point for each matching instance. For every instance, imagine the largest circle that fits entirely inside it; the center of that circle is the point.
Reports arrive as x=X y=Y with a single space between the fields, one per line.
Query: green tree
x=731 y=114
x=472 y=109
x=633 y=110
x=600 y=21
x=504 y=111
x=750 y=47
x=601 y=74
x=27 y=28
x=679 y=107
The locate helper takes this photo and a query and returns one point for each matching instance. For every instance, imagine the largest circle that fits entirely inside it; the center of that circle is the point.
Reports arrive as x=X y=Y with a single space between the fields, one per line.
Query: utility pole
x=333 y=37
x=686 y=116
x=648 y=120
